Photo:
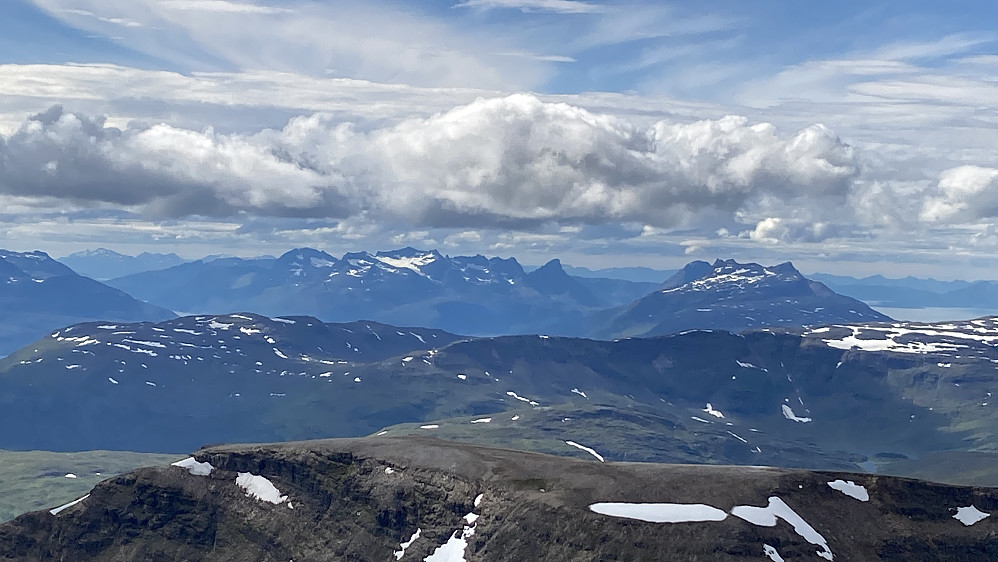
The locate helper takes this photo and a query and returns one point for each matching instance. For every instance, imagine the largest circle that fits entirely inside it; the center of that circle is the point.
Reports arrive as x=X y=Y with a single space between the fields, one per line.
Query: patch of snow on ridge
x=851 y=489
x=430 y=426
x=59 y=509
x=216 y=325
x=194 y=467
x=482 y=420
x=522 y=399
x=580 y=393
x=660 y=512
x=400 y=553
x=412 y=263
x=260 y=488
x=970 y=515
x=710 y=410
x=921 y=338
x=788 y=413
x=586 y=449
x=778 y=509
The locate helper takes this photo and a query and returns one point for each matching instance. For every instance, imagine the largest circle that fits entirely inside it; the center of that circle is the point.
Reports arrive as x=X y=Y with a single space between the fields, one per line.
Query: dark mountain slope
x=781 y=398
x=732 y=296
x=410 y=499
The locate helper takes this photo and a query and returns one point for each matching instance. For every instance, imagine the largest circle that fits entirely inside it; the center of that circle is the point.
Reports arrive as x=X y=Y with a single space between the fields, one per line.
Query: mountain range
x=421 y=499
x=839 y=397
x=493 y=296
x=103 y=264
x=39 y=294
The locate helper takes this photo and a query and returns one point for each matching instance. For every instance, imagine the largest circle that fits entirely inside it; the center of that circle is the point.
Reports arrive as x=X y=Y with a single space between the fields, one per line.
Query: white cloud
x=558 y=6
x=116 y=21
x=222 y=6
x=963 y=194
x=506 y=161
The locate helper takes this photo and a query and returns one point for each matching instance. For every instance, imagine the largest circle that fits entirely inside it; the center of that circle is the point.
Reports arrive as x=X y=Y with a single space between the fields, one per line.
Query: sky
x=853 y=138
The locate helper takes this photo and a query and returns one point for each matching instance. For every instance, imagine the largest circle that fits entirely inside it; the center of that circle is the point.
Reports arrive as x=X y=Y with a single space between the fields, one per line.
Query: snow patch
x=430 y=426
x=260 y=488
x=580 y=393
x=586 y=449
x=970 y=515
x=194 y=467
x=788 y=413
x=851 y=489
x=772 y=553
x=522 y=399
x=400 y=553
x=660 y=512
x=778 y=509
x=710 y=410
x=482 y=420
x=59 y=509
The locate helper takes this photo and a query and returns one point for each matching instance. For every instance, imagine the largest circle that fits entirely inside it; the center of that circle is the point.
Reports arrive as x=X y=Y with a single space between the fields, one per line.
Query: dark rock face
x=362 y=499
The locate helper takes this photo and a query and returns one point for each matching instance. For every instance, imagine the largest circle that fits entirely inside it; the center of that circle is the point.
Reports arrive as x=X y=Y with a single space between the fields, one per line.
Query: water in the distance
x=935 y=314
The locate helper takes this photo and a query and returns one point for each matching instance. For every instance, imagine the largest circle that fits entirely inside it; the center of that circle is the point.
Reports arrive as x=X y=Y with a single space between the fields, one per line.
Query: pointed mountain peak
x=553 y=266
x=691 y=272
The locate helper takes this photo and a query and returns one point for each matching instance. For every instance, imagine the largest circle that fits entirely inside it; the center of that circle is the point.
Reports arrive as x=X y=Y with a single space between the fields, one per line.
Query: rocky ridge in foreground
x=419 y=499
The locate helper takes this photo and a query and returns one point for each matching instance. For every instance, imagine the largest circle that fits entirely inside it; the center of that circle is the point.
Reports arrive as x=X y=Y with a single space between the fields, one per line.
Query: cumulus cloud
x=964 y=194
x=514 y=161
x=161 y=170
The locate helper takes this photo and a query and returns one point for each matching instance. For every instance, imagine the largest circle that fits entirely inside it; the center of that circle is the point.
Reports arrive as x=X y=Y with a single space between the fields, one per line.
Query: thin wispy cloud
x=223 y=6
x=556 y=6
x=124 y=22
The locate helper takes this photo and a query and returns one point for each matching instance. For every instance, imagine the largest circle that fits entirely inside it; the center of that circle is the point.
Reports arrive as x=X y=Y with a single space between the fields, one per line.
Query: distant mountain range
x=493 y=296
x=837 y=397
x=103 y=264
x=39 y=294
x=912 y=292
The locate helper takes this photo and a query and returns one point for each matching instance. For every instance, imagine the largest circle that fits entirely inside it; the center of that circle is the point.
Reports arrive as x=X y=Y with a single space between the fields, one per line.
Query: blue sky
x=603 y=132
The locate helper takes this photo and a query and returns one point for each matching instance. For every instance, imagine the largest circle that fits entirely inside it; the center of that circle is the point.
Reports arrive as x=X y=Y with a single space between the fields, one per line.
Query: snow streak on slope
x=976 y=337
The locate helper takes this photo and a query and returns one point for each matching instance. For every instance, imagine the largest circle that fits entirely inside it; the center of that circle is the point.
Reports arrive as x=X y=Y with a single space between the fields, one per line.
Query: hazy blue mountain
x=463 y=294
x=104 y=264
x=636 y=274
x=728 y=295
x=39 y=294
x=479 y=295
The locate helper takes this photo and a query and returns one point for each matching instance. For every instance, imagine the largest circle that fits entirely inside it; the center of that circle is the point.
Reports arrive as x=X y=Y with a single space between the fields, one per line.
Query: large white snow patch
x=660 y=512
x=260 y=488
x=194 y=467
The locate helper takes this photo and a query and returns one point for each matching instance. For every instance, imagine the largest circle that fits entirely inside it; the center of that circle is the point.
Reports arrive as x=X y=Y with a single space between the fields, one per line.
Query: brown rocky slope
x=361 y=499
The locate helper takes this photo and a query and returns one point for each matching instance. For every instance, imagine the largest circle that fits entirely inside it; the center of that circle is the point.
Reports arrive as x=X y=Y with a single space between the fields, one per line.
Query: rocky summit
x=423 y=499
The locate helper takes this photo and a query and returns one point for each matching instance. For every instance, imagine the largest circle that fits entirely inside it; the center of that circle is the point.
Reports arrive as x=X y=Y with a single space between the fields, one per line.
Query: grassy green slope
x=33 y=480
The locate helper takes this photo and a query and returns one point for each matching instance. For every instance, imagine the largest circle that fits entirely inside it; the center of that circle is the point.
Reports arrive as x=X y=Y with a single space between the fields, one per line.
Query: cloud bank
x=508 y=161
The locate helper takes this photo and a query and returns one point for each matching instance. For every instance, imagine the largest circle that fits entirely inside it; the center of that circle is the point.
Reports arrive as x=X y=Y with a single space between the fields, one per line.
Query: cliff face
x=366 y=499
